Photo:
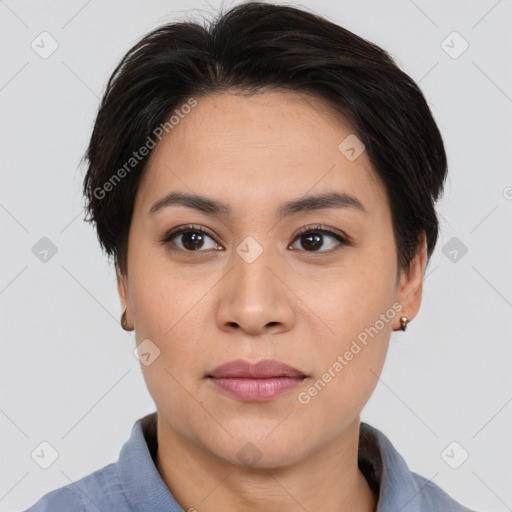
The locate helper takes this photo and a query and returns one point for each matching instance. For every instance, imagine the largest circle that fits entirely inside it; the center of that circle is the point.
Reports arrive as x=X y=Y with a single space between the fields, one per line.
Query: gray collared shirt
x=133 y=483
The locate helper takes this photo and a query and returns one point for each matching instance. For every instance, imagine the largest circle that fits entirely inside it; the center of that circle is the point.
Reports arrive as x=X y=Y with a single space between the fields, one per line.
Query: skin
x=300 y=306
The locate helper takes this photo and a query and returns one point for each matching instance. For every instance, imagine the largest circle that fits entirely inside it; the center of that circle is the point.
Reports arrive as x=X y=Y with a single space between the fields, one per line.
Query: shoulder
x=131 y=483
x=101 y=490
x=65 y=498
x=399 y=487
x=434 y=498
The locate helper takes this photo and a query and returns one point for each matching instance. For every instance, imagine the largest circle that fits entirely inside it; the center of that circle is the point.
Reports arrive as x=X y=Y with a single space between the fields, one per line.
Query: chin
x=255 y=449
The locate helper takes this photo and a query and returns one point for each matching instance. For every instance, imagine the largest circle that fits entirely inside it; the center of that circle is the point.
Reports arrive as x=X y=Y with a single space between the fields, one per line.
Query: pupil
x=314 y=241
x=192 y=240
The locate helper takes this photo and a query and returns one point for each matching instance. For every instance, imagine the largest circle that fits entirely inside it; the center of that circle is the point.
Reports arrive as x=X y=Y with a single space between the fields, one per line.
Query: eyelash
x=344 y=241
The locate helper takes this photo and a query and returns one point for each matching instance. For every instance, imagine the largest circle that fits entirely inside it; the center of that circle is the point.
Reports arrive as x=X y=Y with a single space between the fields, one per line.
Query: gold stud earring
x=403 y=322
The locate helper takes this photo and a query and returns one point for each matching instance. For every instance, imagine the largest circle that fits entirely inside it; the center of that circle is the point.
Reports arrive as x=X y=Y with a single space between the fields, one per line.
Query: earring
x=403 y=321
x=124 y=324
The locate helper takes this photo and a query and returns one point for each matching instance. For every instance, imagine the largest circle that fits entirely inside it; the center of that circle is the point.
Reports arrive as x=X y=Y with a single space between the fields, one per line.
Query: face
x=263 y=272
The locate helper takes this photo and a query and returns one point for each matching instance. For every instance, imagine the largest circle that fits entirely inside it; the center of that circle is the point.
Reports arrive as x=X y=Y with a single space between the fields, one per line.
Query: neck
x=328 y=480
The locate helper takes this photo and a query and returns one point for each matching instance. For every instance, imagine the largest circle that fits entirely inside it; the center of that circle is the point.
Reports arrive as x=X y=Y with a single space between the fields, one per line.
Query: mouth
x=257 y=382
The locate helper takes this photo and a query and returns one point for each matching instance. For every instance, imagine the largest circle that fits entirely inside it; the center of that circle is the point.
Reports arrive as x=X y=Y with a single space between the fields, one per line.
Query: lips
x=263 y=369
x=257 y=382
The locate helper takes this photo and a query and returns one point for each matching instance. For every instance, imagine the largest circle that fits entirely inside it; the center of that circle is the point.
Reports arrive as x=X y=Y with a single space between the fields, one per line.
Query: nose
x=254 y=298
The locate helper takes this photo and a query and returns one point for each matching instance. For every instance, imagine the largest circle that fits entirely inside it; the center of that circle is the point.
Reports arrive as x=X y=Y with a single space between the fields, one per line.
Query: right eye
x=190 y=238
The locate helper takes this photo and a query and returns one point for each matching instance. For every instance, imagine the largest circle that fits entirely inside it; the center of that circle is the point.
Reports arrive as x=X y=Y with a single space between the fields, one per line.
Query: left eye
x=312 y=239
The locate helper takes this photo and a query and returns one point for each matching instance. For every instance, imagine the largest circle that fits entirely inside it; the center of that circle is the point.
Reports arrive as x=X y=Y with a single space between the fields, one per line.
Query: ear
x=122 y=288
x=410 y=286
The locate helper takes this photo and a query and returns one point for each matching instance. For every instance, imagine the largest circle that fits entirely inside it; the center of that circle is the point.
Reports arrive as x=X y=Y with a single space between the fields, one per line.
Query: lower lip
x=257 y=390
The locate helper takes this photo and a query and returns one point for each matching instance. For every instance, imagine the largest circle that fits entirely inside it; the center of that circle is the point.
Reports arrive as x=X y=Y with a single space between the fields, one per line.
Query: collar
x=142 y=484
x=384 y=468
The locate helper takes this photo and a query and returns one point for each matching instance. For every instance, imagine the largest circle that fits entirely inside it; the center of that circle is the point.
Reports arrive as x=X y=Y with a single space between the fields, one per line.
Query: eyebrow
x=307 y=203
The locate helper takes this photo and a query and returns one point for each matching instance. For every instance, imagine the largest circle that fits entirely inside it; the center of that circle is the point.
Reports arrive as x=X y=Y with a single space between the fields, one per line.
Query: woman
x=266 y=189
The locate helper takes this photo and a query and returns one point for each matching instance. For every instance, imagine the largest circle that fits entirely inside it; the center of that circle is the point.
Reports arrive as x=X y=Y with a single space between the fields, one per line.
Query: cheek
x=170 y=314
x=161 y=296
x=354 y=298
x=170 y=310
x=172 y=319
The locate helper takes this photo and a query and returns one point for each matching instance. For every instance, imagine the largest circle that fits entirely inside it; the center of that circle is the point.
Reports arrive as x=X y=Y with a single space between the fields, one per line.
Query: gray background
x=68 y=375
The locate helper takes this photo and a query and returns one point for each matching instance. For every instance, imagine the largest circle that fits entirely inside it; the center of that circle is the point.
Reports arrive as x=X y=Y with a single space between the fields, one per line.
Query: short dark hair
x=250 y=48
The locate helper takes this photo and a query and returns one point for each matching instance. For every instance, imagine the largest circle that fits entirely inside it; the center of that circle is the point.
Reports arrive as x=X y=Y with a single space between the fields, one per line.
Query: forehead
x=255 y=147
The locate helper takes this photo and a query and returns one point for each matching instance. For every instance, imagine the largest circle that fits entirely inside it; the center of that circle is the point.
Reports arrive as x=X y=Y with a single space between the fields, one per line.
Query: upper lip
x=263 y=369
